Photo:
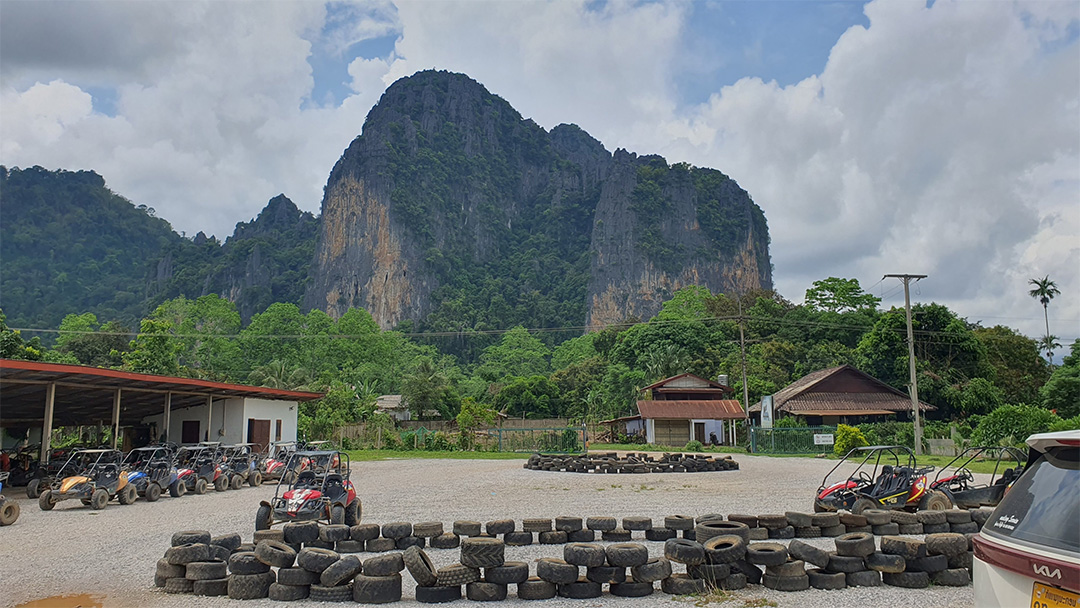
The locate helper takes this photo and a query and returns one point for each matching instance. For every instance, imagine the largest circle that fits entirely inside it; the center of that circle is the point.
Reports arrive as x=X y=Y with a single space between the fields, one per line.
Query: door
x=699 y=432
x=259 y=433
x=189 y=432
x=673 y=433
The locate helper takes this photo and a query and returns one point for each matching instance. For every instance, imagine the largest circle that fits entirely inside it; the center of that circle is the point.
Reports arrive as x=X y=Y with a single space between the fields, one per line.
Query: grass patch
x=719 y=596
x=364 y=455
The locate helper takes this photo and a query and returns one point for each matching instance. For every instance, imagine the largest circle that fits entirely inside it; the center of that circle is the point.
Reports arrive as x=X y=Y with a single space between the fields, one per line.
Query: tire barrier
x=610 y=462
x=200 y=564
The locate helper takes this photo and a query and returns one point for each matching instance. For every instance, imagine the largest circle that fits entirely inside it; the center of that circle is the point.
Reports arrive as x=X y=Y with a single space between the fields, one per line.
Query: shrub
x=1012 y=424
x=694 y=446
x=889 y=433
x=847 y=439
x=789 y=422
x=1067 y=424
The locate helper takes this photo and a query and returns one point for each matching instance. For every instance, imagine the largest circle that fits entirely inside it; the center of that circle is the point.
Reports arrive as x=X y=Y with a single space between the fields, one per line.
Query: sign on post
x=766 y=412
x=824 y=439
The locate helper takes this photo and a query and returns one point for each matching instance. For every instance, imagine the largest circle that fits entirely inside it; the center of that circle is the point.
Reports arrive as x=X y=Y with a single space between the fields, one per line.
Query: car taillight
x=1044 y=569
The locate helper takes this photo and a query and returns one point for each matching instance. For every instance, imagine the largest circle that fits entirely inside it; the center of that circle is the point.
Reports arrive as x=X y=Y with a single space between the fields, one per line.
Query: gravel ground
x=111 y=553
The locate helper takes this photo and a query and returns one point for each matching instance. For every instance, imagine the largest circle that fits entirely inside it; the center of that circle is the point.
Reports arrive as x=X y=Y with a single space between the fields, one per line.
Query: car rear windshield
x=1042 y=506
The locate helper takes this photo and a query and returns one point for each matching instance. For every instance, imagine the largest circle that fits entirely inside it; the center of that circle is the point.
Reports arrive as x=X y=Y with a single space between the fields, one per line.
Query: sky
x=938 y=138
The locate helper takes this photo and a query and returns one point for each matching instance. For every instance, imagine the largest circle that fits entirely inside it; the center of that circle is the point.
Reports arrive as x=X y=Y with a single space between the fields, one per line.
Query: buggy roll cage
x=327 y=468
x=896 y=464
x=149 y=455
x=999 y=454
x=83 y=462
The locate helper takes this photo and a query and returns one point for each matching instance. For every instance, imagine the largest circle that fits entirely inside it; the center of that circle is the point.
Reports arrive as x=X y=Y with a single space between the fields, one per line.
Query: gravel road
x=111 y=553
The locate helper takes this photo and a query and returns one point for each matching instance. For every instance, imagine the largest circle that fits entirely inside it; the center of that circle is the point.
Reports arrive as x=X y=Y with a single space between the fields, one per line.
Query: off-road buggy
x=44 y=476
x=273 y=466
x=151 y=470
x=22 y=463
x=9 y=509
x=886 y=477
x=241 y=465
x=92 y=476
x=322 y=492
x=956 y=481
x=198 y=468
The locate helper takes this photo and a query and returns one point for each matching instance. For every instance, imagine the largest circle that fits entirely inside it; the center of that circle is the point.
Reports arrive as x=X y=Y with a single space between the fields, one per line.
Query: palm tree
x=1044 y=291
x=1049 y=344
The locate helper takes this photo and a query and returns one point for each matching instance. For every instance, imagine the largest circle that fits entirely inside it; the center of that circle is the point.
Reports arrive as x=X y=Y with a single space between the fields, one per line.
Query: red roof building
x=685 y=408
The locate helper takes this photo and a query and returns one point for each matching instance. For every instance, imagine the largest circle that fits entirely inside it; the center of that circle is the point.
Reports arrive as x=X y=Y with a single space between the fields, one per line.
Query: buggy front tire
x=45 y=501
x=935 y=500
x=353 y=512
x=9 y=512
x=99 y=499
x=337 y=514
x=33 y=489
x=200 y=486
x=153 y=492
x=862 y=504
x=128 y=495
x=236 y=482
x=255 y=479
x=262 y=518
x=221 y=483
x=177 y=489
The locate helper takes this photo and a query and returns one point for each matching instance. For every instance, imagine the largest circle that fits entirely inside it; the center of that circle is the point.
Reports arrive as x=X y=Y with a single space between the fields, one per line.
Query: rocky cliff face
x=453 y=212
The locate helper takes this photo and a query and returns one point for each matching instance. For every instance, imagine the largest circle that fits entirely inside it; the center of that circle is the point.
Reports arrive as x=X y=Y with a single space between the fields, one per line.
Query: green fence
x=791 y=440
x=566 y=440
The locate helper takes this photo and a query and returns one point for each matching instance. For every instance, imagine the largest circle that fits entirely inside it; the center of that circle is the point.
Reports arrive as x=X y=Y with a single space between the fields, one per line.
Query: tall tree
x=1044 y=290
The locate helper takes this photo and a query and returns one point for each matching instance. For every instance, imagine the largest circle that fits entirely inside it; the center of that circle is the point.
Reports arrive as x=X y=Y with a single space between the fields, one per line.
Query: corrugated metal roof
x=798 y=397
x=717 y=409
x=707 y=382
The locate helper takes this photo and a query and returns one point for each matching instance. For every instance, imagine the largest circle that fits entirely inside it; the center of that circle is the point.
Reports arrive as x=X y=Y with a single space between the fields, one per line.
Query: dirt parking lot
x=111 y=553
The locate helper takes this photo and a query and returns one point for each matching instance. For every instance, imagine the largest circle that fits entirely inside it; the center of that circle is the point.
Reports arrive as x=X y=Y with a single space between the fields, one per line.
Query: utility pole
x=742 y=351
x=913 y=387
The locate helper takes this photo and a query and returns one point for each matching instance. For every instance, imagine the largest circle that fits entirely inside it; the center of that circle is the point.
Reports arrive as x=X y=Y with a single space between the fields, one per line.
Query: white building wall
x=711 y=426
x=650 y=431
x=229 y=419
x=272 y=410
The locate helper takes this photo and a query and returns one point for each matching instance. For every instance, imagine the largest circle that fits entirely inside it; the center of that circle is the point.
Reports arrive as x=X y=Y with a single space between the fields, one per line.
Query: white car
x=1028 y=552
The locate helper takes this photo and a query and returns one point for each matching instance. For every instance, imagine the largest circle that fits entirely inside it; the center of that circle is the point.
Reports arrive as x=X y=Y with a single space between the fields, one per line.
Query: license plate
x=1045 y=596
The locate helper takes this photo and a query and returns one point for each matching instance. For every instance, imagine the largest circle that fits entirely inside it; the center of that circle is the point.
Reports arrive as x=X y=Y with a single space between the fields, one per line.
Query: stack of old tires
x=610 y=462
x=196 y=563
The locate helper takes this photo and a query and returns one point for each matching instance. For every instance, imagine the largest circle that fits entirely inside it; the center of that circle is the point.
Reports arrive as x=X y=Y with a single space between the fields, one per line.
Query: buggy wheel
x=200 y=486
x=153 y=492
x=337 y=514
x=862 y=504
x=353 y=512
x=221 y=483
x=33 y=489
x=263 y=518
x=128 y=495
x=177 y=489
x=9 y=512
x=85 y=501
x=99 y=499
x=935 y=500
x=45 y=501
x=255 y=479
x=819 y=509
x=237 y=482
x=289 y=477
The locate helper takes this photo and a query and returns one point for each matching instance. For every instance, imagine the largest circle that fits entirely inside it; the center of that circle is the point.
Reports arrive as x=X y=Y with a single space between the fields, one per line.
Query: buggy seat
x=306 y=479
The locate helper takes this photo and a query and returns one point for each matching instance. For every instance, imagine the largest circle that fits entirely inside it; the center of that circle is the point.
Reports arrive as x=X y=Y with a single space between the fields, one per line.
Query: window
x=1041 y=508
x=277 y=431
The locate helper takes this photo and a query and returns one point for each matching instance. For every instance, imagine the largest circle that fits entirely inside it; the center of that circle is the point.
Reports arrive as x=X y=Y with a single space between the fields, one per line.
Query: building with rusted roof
x=686 y=407
x=840 y=395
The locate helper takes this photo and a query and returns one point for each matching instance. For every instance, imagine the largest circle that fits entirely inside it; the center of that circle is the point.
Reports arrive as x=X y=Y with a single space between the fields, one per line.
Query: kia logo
x=1045 y=571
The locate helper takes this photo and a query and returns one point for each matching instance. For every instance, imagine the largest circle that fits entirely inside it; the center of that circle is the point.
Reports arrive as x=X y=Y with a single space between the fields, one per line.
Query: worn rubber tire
x=509 y=572
x=341 y=572
x=447 y=540
x=819 y=579
x=302 y=532
x=385 y=565
x=553 y=537
x=322 y=593
x=811 y=532
x=467 y=528
x=211 y=588
x=364 y=532
x=152 y=493
x=705 y=530
x=908 y=548
x=585 y=554
x=602 y=524
x=177 y=489
x=536 y=589
x=261 y=535
x=128 y=495
x=33 y=488
x=188 y=537
x=438 y=595
x=936 y=528
x=856 y=544
x=825 y=520
x=179 y=585
x=250 y=586
x=246 y=562
x=518 y=539
x=556 y=571
x=889 y=529
x=884 y=562
x=930 y=563
x=865 y=578
x=221 y=483
x=282 y=592
x=710 y=573
x=724 y=549
x=236 y=482
x=903 y=517
x=618 y=535
x=410 y=541
x=9 y=512
x=536 y=525
x=874 y=516
x=655 y=569
x=297 y=576
x=581 y=536
x=99 y=499
x=380 y=545
x=786 y=583
x=228 y=541
x=334 y=533
x=428 y=529
x=947 y=544
x=808 y=553
x=274 y=553
x=457 y=574
x=772 y=521
x=766 y=554
x=782 y=533
x=205 y=571
x=798 y=519
x=792 y=567
x=637 y=523
x=958 y=516
x=851 y=519
x=689 y=552
x=255 y=479
x=931 y=517
x=481 y=591
x=753 y=573
x=632 y=589
x=910 y=529
x=734 y=582
x=907 y=580
x=682 y=584
x=845 y=563
x=482 y=552
x=420 y=567
x=185 y=554
x=167 y=570
x=627 y=554
x=581 y=589
x=952 y=577
x=499 y=526
x=569 y=524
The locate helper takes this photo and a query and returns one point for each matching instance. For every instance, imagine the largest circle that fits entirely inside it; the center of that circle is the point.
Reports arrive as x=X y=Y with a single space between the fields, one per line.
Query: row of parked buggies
x=97 y=476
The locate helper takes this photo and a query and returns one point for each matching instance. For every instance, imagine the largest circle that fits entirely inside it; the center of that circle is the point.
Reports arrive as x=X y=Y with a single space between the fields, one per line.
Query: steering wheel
x=865 y=477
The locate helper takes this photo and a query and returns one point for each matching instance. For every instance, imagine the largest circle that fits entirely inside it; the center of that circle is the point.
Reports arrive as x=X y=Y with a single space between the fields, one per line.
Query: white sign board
x=824 y=439
x=766 y=412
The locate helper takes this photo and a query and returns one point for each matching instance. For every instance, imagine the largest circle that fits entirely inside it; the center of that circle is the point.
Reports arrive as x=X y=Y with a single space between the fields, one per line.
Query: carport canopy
x=55 y=394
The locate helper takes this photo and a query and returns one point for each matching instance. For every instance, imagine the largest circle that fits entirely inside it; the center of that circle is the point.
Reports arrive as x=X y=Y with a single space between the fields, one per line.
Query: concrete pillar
x=168 y=415
x=46 y=429
x=209 y=415
x=116 y=418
